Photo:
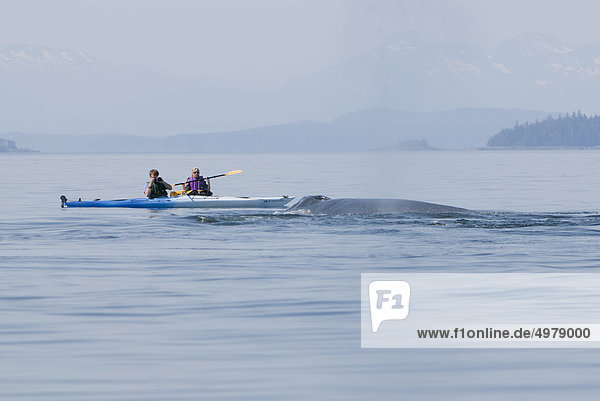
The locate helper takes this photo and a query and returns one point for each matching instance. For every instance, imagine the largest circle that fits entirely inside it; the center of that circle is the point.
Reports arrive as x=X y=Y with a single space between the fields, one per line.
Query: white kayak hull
x=185 y=201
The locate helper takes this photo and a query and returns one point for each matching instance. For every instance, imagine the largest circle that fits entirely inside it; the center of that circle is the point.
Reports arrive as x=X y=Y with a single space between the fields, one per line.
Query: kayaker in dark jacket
x=157 y=187
x=197 y=185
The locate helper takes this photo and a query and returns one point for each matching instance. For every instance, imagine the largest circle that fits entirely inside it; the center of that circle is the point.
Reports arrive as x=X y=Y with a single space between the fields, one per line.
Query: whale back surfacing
x=319 y=204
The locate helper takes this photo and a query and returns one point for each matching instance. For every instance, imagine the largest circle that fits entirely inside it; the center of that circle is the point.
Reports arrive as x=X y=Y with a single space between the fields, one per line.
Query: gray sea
x=119 y=304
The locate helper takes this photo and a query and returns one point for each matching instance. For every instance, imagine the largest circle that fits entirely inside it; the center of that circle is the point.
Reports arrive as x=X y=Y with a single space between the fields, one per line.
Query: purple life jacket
x=196 y=185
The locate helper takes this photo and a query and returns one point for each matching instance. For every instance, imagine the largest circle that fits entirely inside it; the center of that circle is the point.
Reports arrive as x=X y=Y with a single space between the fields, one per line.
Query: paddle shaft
x=208 y=178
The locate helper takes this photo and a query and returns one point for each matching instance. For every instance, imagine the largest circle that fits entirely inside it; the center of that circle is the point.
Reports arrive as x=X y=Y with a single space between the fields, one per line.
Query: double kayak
x=185 y=201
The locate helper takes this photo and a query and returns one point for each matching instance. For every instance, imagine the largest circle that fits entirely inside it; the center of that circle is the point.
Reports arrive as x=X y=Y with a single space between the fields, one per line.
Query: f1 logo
x=389 y=300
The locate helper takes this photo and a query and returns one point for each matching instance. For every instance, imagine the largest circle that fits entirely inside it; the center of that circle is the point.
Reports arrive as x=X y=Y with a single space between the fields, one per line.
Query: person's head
x=154 y=173
x=195 y=172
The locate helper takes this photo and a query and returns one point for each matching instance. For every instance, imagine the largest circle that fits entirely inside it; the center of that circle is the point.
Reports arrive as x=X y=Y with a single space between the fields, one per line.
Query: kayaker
x=157 y=187
x=197 y=185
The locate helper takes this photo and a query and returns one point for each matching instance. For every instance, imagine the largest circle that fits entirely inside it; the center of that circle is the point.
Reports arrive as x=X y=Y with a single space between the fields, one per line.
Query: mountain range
x=369 y=129
x=73 y=92
x=531 y=71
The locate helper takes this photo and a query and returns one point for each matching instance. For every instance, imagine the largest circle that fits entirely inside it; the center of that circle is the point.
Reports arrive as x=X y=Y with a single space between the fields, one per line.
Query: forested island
x=570 y=130
x=411 y=144
x=7 y=145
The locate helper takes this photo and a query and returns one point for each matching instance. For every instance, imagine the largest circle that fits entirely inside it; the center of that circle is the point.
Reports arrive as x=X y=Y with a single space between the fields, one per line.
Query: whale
x=323 y=205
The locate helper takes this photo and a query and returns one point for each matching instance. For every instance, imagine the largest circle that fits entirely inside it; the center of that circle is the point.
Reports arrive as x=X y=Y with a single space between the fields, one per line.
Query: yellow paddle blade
x=233 y=172
x=176 y=193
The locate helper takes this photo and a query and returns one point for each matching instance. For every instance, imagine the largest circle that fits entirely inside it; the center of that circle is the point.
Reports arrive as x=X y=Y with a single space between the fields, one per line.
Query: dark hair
x=154 y=173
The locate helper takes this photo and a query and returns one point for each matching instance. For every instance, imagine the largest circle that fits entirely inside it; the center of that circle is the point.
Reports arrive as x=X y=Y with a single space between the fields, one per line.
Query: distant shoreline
x=492 y=148
x=20 y=151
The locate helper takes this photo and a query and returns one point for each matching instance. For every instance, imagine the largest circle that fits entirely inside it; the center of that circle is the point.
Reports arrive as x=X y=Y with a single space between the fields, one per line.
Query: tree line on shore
x=568 y=130
x=6 y=145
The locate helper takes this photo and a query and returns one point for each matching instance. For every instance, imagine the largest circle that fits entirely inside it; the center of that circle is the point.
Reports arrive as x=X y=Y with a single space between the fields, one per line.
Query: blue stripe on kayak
x=168 y=203
x=134 y=203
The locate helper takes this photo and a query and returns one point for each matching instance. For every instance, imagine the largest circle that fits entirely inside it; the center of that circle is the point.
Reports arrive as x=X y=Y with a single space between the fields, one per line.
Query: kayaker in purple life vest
x=197 y=185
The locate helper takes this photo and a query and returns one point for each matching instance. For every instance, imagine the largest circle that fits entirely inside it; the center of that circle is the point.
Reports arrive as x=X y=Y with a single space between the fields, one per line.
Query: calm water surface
x=102 y=304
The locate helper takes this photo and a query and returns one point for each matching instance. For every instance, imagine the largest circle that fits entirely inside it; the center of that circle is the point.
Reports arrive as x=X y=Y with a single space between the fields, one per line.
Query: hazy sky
x=260 y=44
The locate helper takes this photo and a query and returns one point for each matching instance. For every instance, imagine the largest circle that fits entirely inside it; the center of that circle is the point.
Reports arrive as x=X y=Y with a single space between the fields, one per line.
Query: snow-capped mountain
x=531 y=71
x=71 y=91
x=544 y=60
x=27 y=57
